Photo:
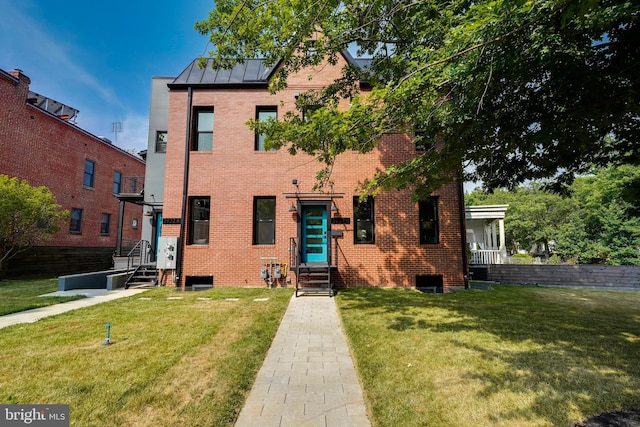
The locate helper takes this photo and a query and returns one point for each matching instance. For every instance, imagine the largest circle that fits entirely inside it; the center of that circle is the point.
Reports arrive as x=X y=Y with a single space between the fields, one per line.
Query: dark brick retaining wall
x=588 y=276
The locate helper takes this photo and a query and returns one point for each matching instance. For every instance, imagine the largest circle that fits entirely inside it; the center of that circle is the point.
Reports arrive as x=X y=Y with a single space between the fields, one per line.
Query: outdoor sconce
x=334 y=208
x=293 y=208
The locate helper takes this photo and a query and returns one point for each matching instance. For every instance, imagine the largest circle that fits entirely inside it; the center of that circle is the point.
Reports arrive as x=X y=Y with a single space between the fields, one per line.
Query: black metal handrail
x=141 y=251
x=293 y=253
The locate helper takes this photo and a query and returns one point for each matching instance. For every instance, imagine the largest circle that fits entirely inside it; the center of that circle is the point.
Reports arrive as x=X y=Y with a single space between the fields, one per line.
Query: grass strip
x=172 y=362
x=515 y=356
x=21 y=295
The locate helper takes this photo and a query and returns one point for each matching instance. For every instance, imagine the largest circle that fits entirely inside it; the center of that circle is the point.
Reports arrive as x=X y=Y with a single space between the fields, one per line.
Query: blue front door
x=314 y=233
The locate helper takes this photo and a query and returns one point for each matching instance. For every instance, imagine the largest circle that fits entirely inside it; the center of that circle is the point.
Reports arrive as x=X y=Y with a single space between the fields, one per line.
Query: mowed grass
x=514 y=356
x=21 y=295
x=172 y=362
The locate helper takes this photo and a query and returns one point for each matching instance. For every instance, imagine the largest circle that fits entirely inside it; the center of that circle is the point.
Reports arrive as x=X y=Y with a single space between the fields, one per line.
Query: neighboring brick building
x=39 y=143
x=243 y=205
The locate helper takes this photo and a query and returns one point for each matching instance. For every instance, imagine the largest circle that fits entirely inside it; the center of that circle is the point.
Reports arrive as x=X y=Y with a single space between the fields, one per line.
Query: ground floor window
x=264 y=220
x=199 y=208
x=105 y=223
x=75 y=224
x=429 y=228
x=363 y=218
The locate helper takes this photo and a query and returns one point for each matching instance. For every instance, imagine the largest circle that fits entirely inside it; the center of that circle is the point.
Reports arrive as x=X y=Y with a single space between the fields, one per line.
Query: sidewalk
x=308 y=377
x=93 y=296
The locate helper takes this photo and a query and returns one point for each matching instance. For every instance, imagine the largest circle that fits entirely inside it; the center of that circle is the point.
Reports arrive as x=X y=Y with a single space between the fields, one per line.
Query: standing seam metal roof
x=249 y=72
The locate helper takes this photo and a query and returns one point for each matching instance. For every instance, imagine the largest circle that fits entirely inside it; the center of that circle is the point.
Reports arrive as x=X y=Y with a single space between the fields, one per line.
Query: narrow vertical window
x=89 y=172
x=428 y=214
x=264 y=220
x=75 y=224
x=117 y=182
x=363 y=219
x=203 y=129
x=264 y=113
x=105 y=223
x=161 y=141
x=199 y=220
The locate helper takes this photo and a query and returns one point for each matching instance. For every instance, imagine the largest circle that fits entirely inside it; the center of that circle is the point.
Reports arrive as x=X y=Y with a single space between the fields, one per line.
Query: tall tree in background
x=517 y=89
x=29 y=216
x=598 y=221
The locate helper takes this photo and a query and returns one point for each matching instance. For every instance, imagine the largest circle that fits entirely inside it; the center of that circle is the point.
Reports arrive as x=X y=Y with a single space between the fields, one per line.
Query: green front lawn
x=21 y=295
x=176 y=358
x=515 y=356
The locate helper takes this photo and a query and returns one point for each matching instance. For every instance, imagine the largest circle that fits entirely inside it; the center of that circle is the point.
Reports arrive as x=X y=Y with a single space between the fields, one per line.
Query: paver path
x=308 y=377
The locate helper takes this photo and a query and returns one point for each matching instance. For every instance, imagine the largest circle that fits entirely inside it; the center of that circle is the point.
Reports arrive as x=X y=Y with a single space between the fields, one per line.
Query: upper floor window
x=264 y=113
x=117 y=182
x=161 y=141
x=423 y=143
x=364 y=220
x=428 y=214
x=75 y=223
x=203 y=129
x=199 y=220
x=89 y=172
x=264 y=220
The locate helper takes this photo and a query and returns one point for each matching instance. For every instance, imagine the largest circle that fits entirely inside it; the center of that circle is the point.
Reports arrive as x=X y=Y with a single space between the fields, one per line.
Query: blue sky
x=99 y=57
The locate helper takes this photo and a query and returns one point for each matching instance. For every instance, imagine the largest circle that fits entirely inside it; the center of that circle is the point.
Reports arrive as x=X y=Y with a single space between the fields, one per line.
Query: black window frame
x=88 y=179
x=161 y=144
x=195 y=146
x=75 y=224
x=363 y=214
x=203 y=214
x=428 y=213
x=259 y=138
x=259 y=222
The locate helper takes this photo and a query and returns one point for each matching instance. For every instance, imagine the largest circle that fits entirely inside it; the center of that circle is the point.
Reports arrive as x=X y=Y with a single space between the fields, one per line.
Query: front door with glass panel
x=314 y=233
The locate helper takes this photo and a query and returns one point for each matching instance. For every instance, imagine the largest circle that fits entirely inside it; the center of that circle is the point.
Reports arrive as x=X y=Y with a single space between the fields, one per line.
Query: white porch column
x=494 y=236
x=503 y=242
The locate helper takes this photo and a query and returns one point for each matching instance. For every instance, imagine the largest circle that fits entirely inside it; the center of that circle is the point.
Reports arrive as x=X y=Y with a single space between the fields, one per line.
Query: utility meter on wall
x=167 y=253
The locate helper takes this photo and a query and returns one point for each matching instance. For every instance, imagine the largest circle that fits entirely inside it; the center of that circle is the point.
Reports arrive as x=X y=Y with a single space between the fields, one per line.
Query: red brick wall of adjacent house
x=48 y=151
x=233 y=173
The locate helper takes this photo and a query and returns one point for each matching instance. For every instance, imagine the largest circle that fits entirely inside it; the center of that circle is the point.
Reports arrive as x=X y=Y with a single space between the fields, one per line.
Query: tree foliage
x=28 y=216
x=597 y=222
x=517 y=89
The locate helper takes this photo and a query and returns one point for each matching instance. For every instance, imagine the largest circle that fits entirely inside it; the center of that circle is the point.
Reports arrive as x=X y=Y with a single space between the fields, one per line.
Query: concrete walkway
x=308 y=377
x=93 y=296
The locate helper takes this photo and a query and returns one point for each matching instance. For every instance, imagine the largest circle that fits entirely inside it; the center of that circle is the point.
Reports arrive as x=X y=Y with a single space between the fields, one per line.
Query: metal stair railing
x=141 y=251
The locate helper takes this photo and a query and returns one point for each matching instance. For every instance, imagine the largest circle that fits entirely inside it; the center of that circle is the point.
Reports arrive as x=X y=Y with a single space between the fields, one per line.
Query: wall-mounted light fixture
x=293 y=208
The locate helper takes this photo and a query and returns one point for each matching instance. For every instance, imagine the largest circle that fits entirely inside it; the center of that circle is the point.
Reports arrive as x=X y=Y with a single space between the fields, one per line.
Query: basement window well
x=430 y=283
x=199 y=283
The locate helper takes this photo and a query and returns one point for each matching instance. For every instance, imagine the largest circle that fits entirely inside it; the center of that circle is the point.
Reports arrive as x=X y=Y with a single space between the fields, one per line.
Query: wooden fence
x=588 y=276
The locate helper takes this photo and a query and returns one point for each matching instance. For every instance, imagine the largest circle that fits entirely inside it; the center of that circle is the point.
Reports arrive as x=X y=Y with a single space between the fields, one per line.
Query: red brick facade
x=47 y=150
x=233 y=173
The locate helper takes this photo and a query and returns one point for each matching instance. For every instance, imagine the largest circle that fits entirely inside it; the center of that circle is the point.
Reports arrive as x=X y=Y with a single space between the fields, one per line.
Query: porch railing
x=130 y=185
x=485 y=256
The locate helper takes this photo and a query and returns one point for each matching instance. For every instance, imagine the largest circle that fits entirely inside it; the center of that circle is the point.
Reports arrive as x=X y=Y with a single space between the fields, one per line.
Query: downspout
x=185 y=187
x=463 y=232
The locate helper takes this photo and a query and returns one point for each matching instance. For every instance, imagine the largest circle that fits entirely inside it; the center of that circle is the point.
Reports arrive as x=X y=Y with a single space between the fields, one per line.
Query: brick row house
x=41 y=144
x=249 y=217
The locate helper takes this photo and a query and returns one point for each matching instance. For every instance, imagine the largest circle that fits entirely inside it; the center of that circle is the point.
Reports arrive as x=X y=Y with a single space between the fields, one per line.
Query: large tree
x=28 y=216
x=515 y=89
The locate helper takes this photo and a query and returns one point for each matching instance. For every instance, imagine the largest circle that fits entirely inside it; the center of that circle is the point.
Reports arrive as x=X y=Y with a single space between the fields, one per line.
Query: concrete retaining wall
x=587 y=276
x=109 y=279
